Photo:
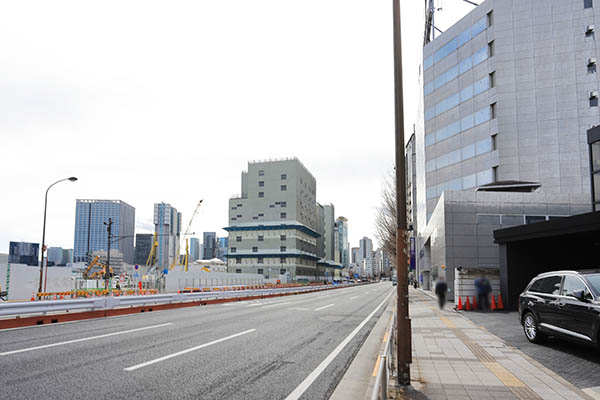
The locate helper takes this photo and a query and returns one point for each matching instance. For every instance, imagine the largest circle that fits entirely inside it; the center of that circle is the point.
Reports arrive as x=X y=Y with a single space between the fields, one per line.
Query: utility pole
x=107 y=271
x=403 y=320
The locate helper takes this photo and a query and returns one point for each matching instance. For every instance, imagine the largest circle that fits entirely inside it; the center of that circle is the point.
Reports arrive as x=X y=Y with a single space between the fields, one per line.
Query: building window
x=261 y=173
x=533 y=219
x=238 y=271
x=282 y=260
x=233 y=249
x=494 y=140
x=261 y=238
x=238 y=238
x=589 y=32
x=282 y=271
x=239 y=216
x=591 y=65
x=284 y=215
x=283 y=204
x=255 y=249
x=260 y=260
x=261 y=183
x=261 y=194
x=283 y=177
x=259 y=271
x=493 y=79
x=282 y=248
x=593 y=98
x=493 y=110
x=491 y=49
x=283 y=188
x=239 y=205
x=282 y=237
x=588 y=3
x=490 y=18
x=238 y=260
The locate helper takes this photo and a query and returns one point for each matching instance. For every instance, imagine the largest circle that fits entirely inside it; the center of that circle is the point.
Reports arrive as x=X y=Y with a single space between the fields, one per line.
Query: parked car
x=564 y=304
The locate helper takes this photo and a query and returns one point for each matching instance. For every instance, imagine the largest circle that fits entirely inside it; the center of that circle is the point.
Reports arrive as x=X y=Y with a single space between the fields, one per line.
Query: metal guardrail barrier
x=99 y=303
x=386 y=364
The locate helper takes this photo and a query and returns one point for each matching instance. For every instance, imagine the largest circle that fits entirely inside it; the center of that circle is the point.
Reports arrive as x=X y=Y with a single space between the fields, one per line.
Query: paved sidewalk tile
x=454 y=359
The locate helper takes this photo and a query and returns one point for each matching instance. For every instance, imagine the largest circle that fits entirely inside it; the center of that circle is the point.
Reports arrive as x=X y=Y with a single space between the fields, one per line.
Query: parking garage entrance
x=568 y=243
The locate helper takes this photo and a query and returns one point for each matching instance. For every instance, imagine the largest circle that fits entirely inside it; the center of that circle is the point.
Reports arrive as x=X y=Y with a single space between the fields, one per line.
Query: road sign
x=136 y=267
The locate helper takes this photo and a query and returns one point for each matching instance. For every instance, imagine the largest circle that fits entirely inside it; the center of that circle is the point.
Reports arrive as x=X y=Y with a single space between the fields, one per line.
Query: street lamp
x=71 y=179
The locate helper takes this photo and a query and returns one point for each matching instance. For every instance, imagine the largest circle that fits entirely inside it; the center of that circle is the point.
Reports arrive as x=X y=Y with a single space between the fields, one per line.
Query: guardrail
x=105 y=303
x=386 y=364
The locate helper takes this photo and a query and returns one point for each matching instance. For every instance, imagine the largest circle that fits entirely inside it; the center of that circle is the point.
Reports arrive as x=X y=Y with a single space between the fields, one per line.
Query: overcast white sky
x=149 y=101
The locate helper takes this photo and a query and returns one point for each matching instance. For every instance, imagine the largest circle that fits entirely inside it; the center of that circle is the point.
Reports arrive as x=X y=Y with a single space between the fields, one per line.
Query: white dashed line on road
x=324 y=307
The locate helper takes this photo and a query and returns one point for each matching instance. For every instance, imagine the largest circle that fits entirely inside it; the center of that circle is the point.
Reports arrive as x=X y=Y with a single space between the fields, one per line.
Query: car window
x=573 y=283
x=551 y=285
x=594 y=280
x=536 y=286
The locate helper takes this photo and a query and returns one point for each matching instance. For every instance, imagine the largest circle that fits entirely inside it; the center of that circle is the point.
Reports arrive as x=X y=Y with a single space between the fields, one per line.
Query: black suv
x=564 y=304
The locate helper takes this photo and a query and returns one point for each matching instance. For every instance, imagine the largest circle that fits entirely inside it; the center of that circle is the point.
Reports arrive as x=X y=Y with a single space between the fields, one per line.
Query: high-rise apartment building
x=23 y=253
x=194 y=249
x=209 y=244
x=508 y=94
x=143 y=246
x=167 y=226
x=90 y=231
x=273 y=224
x=365 y=249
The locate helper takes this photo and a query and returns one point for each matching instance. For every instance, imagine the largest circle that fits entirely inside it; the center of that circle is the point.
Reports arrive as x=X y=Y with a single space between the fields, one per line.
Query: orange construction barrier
x=500 y=305
x=467 y=305
x=474 y=303
x=460 y=306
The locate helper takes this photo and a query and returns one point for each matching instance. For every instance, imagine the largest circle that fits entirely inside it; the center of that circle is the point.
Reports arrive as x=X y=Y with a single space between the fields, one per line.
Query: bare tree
x=385 y=219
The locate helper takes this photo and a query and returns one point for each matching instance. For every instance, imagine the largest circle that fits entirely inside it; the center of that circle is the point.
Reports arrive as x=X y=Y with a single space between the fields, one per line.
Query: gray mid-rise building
x=273 y=223
x=508 y=94
x=91 y=232
x=209 y=245
x=167 y=227
x=23 y=253
x=194 y=244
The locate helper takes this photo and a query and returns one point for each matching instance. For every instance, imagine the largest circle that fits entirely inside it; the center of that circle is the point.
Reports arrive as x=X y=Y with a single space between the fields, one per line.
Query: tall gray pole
x=107 y=271
x=403 y=320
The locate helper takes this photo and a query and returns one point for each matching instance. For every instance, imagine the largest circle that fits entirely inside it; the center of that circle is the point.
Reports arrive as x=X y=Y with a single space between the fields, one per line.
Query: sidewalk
x=453 y=358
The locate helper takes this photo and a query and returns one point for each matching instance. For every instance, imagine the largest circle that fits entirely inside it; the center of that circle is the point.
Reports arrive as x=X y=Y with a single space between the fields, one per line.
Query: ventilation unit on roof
x=593 y=94
x=591 y=60
x=589 y=28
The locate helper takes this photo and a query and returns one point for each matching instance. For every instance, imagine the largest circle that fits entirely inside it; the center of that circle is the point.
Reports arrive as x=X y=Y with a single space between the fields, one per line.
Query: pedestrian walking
x=483 y=288
x=441 y=288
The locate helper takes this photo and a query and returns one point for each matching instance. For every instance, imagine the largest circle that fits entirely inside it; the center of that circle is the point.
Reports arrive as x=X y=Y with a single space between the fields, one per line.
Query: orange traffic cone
x=474 y=303
x=493 y=303
x=460 y=306
x=500 y=305
x=32 y=296
x=62 y=297
x=467 y=305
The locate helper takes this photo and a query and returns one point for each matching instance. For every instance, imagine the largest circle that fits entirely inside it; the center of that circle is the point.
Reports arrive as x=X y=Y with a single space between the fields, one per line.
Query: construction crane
x=98 y=274
x=187 y=248
x=152 y=255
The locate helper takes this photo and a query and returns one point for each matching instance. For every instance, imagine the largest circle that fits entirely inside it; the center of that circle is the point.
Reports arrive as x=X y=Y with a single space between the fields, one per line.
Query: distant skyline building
x=209 y=245
x=222 y=248
x=194 y=249
x=365 y=251
x=329 y=228
x=342 y=237
x=143 y=246
x=67 y=256
x=23 y=253
x=56 y=256
x=91 y=234
x=167 y=226
x=273 y=224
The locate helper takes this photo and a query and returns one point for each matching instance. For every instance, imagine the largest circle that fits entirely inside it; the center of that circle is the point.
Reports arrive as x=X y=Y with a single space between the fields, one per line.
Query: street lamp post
x=71 y=179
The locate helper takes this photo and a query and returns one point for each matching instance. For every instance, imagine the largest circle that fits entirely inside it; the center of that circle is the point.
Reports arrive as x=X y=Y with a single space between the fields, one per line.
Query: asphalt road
x=577 y=363
x=263 y=349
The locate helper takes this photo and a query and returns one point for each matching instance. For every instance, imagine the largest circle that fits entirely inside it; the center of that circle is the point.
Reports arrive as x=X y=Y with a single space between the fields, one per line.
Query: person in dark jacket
x=483 y=287
x=441 y=288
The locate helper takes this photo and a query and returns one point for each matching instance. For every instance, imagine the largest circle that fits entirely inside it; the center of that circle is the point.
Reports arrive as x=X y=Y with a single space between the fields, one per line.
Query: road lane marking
x=353 y=297
x=278 y=304
x=83 y=339
x=324 y=307
x=305 y=384
x=299 y=309
x=179 y=353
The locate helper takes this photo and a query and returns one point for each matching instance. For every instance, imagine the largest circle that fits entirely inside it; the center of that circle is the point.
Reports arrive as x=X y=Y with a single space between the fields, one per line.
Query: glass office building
x=91 y=233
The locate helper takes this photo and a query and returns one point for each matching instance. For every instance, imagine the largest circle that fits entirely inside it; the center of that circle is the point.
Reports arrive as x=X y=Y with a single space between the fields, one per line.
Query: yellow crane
x=152 y=255
x=99 y=273
x=187 y=247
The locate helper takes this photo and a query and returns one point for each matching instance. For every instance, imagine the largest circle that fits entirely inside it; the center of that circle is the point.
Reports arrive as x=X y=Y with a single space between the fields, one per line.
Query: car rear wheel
x=530 y=327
